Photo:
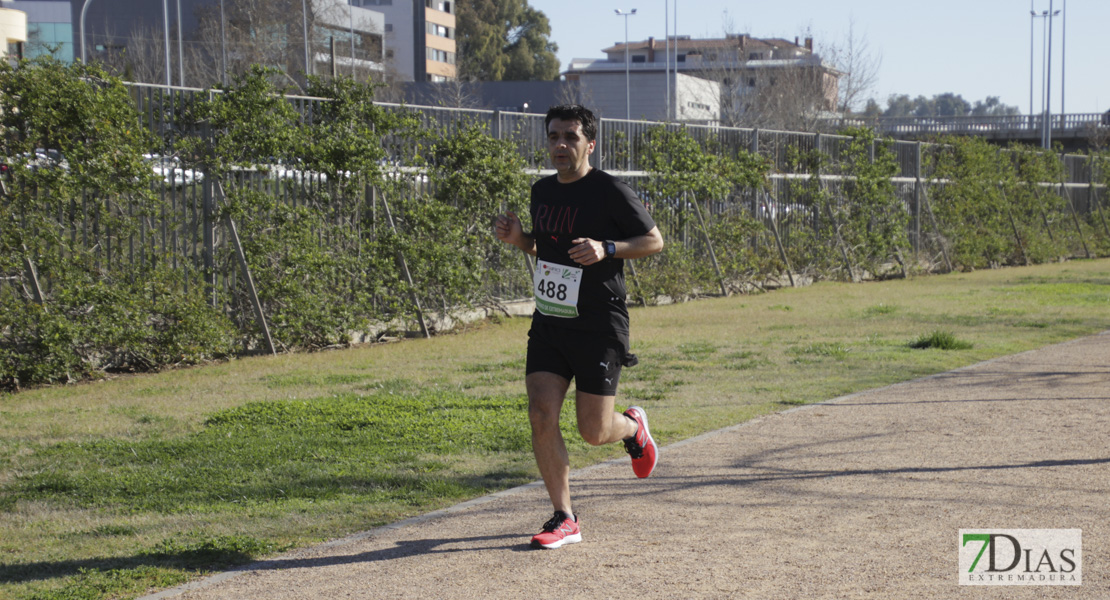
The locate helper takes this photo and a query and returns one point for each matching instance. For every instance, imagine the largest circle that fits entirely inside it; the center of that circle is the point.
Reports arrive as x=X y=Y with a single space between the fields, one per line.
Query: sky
x=975 y=48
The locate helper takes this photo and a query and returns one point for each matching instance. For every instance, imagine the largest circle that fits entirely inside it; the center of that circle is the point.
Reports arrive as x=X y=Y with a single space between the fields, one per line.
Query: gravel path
x=859 y=497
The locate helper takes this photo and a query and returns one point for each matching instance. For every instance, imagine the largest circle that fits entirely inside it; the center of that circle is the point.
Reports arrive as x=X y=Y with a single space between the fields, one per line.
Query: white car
x=171 y=172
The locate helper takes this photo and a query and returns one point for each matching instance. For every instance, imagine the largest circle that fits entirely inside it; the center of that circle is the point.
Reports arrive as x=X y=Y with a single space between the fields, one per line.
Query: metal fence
x=183 y=232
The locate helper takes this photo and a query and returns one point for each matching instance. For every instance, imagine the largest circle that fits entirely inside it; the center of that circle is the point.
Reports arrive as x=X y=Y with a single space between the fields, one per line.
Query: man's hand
x=586 y=251
x=508 y=229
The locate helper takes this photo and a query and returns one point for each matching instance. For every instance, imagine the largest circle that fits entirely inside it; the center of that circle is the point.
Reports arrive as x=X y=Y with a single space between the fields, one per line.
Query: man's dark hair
x=574 y=112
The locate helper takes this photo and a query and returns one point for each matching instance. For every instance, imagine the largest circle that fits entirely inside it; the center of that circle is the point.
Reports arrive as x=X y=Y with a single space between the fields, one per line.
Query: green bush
x=940 y=340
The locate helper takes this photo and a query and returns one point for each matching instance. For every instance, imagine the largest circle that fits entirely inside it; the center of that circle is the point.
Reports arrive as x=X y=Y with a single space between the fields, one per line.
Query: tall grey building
x=201 y=40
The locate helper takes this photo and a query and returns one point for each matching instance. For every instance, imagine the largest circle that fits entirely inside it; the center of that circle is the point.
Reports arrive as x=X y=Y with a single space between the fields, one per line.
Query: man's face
x=568 y=148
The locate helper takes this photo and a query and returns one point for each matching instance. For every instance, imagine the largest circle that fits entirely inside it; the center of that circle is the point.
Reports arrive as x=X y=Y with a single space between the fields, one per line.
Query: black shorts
x=592 y=360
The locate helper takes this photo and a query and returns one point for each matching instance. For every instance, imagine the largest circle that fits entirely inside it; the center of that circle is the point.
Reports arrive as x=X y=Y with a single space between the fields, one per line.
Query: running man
x=585 y=223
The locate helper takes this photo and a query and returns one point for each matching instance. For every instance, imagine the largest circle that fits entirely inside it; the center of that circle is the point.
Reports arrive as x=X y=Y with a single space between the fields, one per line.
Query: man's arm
x=509 y=230
x=588 y=252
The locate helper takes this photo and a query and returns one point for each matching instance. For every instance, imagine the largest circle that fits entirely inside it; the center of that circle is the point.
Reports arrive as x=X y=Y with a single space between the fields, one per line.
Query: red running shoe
x=641 y=447
x=560 y=530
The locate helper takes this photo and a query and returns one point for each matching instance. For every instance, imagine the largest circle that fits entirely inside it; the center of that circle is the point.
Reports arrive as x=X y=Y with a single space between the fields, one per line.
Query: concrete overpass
x=1078 y=131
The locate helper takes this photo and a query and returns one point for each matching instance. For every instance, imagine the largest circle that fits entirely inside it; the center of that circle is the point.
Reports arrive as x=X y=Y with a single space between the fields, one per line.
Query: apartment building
x=419 y=38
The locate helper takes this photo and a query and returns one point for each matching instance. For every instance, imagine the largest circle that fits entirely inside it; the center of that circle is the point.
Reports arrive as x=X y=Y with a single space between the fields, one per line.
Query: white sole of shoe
x=570 y=539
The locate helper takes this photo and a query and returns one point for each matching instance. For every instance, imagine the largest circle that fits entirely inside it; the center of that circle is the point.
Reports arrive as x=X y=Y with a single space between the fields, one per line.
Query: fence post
x=1094 y=193
x=773 y=217
x=33 y=276
x=709 y=246
x=1013 y=223
x=940 y=234
x=599 y=146
x=256 y=303
x=497 y=124
x=917 y=201
x=404 y=264
x=209 y=241
x=1071 y=207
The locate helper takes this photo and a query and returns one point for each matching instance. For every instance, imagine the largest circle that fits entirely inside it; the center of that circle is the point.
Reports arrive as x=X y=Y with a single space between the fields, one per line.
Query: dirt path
x=860 y=497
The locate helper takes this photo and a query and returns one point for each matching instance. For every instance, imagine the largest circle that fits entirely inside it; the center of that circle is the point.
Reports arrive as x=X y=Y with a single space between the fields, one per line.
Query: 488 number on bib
x=556 y=288
x=550 y=290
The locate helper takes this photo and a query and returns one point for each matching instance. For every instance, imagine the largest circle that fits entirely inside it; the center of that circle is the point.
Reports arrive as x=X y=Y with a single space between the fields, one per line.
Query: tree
x=872 y=109
x=858 y=65
x=789 y=98
x=141 y=59
x=993 y=107
x=504 y=40
x=945 y=105
x=899 y=105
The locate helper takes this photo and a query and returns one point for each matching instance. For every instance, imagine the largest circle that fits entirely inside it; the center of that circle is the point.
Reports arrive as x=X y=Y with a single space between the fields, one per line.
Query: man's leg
x=546 y=392
x=598 y=422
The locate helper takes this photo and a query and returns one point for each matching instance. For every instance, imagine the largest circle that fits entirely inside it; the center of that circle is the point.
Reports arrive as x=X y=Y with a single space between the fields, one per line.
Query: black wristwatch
x=610 y=249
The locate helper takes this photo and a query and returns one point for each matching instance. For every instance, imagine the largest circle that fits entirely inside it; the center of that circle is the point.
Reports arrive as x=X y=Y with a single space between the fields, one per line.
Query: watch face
x=610 y=249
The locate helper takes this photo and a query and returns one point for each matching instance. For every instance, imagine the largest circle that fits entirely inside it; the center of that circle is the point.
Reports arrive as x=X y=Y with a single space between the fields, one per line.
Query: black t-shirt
x=600 y=207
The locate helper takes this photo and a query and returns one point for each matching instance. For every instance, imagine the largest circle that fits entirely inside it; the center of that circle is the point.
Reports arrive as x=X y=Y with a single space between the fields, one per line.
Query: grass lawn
x=114 y=488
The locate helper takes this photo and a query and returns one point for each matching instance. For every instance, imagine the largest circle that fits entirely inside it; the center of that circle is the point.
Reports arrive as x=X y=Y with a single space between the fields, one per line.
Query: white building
x=701 y=79
x=601 y=86
x=13 y=26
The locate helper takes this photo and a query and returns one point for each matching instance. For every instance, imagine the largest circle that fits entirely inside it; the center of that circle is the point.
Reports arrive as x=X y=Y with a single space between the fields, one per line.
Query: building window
x=440 y=5
x=439 y=30
x=441 y=56
x=639 y=59
x=680 y=58
x=755 y=56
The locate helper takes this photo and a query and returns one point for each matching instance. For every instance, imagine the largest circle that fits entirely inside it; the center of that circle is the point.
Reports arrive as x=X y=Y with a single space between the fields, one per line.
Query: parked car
x=283 y=170
x=171 y=171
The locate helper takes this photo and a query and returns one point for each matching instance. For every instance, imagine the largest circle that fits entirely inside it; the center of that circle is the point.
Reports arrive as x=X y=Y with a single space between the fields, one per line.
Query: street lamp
x=627 y=87
x=1047 y=139
x=166 y=26
x=180 y=50
x=304 y=16
x=1033 y=16
x=1064 y=58
x=223 y=45
x=84 y=7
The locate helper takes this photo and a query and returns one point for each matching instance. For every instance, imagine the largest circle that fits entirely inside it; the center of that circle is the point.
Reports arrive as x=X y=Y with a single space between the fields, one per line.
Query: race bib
x=556 y=288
